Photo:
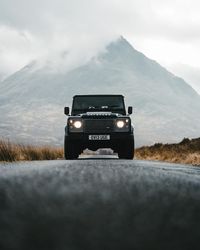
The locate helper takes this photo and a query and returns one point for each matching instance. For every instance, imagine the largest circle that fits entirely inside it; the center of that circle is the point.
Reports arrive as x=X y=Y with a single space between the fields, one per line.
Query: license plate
x=99 y=137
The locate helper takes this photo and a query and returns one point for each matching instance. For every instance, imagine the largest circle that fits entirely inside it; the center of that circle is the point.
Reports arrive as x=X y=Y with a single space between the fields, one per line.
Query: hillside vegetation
x=19 y=152
x=187 y=152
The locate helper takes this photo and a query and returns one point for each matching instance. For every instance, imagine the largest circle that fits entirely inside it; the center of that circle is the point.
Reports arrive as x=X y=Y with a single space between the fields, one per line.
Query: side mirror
x=66 y=110
x=130 y=110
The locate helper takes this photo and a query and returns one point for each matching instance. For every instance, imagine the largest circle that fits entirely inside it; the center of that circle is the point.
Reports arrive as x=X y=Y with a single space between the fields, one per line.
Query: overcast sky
x=166 y=31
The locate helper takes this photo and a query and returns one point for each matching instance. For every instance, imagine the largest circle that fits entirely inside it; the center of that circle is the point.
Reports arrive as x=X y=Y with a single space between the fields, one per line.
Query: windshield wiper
x=104 y=107
x=114 y=106
x=97 y=107
x=91 y=107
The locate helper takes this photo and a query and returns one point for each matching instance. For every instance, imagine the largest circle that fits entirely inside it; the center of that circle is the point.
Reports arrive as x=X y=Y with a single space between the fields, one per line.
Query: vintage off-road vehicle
x=98 y=121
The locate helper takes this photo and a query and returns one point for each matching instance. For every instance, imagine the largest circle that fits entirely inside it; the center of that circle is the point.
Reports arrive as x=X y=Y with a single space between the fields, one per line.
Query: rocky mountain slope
x=166 y=108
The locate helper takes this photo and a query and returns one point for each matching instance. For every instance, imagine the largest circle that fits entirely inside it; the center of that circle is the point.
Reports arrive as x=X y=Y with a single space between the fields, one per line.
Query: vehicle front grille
x=98 y=125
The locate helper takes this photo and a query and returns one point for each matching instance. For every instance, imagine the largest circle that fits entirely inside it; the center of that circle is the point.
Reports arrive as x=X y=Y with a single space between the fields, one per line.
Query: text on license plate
x=99 y=137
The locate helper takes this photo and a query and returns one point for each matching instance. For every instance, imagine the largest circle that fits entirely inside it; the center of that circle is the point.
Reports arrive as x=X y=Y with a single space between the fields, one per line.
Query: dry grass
x=19 y=152
x=8 y=151
x=187 y=152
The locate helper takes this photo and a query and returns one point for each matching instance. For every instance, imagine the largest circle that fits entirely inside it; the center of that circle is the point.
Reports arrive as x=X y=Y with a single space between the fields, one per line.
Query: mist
x=64 y=34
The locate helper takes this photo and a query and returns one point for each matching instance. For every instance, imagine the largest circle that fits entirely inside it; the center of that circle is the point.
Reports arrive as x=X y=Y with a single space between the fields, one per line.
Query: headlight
x=77 y=124
x=120 y=124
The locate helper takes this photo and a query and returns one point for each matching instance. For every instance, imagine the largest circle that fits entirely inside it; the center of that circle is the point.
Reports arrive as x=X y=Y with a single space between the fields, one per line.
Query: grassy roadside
x=19 y=152
x=186 y=152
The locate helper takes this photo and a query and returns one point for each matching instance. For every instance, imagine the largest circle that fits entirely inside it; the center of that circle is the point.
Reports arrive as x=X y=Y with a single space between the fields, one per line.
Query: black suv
x=98 y=121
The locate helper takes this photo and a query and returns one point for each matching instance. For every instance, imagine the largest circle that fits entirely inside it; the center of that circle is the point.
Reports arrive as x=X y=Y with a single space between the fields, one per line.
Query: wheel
x=70 y=150
x=127 y=152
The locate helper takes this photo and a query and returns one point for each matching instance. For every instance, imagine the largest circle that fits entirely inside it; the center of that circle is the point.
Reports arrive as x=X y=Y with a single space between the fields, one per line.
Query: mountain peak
x=120 y=45
x=166 y=108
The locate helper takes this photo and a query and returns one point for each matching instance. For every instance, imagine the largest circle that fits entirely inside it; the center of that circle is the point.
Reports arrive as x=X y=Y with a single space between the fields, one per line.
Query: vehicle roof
x=96 y=95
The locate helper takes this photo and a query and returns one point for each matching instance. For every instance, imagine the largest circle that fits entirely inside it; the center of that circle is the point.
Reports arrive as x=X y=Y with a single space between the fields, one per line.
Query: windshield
x=98 y=103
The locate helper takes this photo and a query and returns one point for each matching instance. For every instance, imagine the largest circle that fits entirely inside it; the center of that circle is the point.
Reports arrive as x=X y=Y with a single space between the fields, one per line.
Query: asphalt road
x=99 y=204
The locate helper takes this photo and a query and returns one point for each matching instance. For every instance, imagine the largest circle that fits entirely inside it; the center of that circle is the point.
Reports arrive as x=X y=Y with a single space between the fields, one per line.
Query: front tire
x=70 y=150
x=127 y=152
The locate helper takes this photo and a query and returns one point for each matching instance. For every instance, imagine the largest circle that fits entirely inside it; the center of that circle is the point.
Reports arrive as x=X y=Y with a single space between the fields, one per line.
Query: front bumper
x=116 y=141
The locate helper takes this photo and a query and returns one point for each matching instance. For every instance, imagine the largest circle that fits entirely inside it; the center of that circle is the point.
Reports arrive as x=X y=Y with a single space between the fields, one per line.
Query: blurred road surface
x=99 y=204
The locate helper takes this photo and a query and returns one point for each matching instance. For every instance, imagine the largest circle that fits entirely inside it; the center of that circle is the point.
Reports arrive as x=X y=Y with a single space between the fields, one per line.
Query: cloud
x=44 y=29
x=15 y=46
x=164 y=30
